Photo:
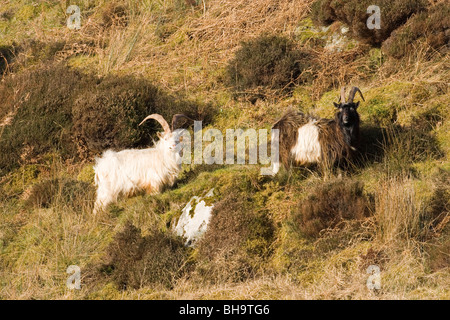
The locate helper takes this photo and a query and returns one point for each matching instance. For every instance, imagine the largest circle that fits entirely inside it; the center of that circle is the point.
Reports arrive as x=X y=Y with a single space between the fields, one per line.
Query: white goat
x=129 y=171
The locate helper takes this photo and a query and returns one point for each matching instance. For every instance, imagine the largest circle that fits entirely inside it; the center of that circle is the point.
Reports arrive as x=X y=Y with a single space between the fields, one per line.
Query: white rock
x=192 y=225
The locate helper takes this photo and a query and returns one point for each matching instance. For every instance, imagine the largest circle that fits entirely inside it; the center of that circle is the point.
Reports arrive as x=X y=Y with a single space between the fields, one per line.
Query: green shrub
x=330 y=204
x=7 y=53
x=108 y=115
x=134 y=261
x=41 y=101
x=237 y=240
x=394 y=13
x=268 y=62
x=430 y=26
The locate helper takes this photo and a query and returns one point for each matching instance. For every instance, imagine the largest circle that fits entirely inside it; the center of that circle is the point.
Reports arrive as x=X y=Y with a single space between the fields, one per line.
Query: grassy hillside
x=68 y=94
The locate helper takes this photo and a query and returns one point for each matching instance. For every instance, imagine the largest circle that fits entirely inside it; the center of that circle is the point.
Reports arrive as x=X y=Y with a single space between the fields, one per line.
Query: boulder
x=195 y=217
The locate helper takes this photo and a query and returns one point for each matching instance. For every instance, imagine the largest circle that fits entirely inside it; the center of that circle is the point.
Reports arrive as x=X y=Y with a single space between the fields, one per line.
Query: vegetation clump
x=39 y=105
x=134 y=261
x=61 y=191
x=354 y=14
x=430 y=27
x=59 y=109
x=268 y=62
x=329 y=205
x=236 y=242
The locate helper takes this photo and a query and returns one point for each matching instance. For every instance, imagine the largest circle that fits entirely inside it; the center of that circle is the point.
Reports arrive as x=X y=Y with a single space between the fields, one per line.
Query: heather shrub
x=6 y=55
x=40 y=104
x=114 y=13
x=330 y=204
x=236 y=242
x=108 y=115
x=431 y=27
x=133 y=261
x=354 y=14
x=59 y=109
x=268 y=62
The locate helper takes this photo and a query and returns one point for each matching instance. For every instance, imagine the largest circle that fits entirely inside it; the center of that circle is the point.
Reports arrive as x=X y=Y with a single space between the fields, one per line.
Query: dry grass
x=336 y=69
x=398 y=212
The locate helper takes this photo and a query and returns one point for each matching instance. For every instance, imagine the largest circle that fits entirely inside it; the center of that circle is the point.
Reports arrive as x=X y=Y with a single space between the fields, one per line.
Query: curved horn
x=160 y=119
x=352 y=93
x=177 y=117
x=342 y=98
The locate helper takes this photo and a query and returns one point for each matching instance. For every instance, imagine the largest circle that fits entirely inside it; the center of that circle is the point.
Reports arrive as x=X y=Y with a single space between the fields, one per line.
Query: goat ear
x=337 y=105
x=356 y=105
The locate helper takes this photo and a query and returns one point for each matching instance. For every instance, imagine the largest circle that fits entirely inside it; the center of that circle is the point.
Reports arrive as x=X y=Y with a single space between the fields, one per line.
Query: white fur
x=275 y=167
x=275 y=140
x=307 y=149
x=131 y=170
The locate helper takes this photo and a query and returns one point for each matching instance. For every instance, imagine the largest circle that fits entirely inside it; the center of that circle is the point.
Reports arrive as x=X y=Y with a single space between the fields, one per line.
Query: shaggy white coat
x=129 y=171
x=307 y=149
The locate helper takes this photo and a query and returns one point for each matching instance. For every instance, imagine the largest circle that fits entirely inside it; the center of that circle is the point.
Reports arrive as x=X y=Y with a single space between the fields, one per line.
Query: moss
x=301 y=97
x=20 y=179
x=108 y=291
x=86 y=174
x=324 y=108
x=26 y=12
x=376 y=58
x=383 y=104
x=307 y=34
x=192 y=210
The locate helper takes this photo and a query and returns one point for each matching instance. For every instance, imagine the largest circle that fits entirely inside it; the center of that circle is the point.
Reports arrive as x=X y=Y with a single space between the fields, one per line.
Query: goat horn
x=178 y=116
x=342 y=98
x=352 y=93
x=160 y=119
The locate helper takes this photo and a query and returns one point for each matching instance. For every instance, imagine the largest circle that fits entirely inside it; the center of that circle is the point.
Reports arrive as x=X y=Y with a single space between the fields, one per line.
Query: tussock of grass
x=133 y=261
x=331 y=204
